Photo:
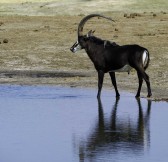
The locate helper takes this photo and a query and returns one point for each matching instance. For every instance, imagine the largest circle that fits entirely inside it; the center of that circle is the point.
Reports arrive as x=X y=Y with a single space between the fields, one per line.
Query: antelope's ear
x=93 y=32
x=90 y=33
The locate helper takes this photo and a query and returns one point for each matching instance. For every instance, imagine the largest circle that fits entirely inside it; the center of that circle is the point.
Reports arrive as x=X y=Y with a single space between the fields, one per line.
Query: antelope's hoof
x=118 y=96
x=149 y=95
x=98 y=96
x=137 y=96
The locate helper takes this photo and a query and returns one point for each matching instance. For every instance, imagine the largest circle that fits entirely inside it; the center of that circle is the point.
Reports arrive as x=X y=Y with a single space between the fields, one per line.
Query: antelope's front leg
x=100 y=82
x=113 y=79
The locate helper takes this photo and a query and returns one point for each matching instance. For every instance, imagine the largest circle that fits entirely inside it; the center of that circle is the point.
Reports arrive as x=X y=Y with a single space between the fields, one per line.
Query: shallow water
x=39 y=124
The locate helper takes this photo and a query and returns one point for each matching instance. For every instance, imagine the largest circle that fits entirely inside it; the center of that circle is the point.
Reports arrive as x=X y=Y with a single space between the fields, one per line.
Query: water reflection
x=117 y=135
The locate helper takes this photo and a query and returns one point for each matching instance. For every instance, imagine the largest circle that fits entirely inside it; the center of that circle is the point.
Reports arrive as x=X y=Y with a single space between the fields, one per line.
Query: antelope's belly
x=125 y=68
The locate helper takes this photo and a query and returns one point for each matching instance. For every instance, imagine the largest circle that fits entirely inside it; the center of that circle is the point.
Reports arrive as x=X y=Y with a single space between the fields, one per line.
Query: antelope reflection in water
x=115 y=135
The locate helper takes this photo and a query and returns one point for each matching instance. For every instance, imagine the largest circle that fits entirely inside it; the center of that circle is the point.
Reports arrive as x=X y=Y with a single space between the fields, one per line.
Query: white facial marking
x=77 y=47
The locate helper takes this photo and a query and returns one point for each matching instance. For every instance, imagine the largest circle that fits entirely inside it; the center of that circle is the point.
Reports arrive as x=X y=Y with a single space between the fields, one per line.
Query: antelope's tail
x=145 y=59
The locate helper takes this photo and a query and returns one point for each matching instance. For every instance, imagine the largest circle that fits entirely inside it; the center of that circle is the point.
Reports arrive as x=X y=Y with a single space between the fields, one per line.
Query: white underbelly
x=125 y=68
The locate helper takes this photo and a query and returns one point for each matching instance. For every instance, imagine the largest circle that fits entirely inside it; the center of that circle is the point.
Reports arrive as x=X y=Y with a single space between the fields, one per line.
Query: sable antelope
x=109 y=57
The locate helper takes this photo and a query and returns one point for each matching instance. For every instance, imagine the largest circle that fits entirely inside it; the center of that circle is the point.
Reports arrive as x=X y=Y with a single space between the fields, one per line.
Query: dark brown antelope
x=109 y=57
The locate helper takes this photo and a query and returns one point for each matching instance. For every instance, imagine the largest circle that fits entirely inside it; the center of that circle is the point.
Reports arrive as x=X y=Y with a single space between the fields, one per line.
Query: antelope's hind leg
x=142 y=75
x=148 y=85
x=140 y=78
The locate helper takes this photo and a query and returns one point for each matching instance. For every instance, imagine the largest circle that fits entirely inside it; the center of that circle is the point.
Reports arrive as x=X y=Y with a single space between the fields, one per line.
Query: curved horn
x=85 y=19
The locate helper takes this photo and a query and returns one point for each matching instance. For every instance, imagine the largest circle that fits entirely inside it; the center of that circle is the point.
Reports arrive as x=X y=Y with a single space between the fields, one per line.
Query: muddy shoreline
x=70 y=79
x=42 y=74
